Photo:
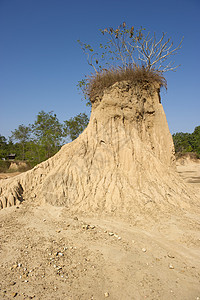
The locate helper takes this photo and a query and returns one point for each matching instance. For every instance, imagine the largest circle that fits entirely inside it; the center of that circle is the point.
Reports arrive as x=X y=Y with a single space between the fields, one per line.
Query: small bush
x=139 y=76
x=4 y=166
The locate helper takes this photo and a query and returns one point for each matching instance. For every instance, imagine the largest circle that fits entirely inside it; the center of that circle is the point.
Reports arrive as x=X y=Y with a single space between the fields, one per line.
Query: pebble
x=14 y=295
x=111 y=233
x=171 y=266
x=170 y=256
x=106 y=295
x=85 y=227
x=144 y=249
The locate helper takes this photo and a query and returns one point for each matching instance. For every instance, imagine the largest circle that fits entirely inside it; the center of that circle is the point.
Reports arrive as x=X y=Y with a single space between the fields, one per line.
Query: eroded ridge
x=122 y=163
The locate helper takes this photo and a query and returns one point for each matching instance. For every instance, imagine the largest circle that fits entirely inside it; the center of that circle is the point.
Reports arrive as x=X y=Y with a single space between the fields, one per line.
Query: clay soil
x=47 y=253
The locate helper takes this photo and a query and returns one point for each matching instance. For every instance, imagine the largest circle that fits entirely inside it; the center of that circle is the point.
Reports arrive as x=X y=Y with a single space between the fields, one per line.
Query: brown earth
x=108 y=216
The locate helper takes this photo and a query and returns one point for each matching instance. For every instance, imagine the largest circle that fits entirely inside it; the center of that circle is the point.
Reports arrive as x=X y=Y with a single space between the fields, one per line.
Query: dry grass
x=134 y=75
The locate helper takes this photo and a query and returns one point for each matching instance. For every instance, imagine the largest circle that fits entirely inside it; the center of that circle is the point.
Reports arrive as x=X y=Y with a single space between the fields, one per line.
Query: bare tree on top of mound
x=128 y=49
x=126 y=46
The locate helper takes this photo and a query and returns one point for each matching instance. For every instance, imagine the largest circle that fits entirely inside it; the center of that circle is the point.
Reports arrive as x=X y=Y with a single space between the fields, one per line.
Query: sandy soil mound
x=115 y=219
x=122 y=164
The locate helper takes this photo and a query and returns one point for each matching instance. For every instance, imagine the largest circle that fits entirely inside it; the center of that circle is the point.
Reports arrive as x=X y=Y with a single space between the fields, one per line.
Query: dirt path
x=190 y=171
x=46 y=253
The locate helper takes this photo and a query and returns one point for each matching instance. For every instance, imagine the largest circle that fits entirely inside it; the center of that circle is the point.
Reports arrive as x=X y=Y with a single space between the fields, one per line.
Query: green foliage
x=74 y=126
x=2 y=140
x=4 y=166
x=22 y=135
x=196 y=140
x=48 y=132
x=187 y=142
x=39 y=141
x=3 y=147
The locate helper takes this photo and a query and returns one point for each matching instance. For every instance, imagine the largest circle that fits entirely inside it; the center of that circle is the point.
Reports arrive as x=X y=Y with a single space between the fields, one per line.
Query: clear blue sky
x=41 y=61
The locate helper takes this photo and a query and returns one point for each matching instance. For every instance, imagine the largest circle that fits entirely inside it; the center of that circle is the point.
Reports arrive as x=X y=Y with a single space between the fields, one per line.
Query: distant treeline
x=187 y=142
x=42 y=139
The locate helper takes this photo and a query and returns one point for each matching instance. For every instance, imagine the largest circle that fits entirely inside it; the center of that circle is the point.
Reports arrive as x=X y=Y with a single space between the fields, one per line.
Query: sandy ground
x=189 y=170
x=46 y=253
x=7 y=175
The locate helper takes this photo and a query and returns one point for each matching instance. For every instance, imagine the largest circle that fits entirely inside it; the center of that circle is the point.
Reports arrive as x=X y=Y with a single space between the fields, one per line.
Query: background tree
x=22 y=135
x=187 y=142
x=41 y=140
x=74 y=126
x=182 y=142
x=3 y=147
x=196 y=140
x=48 y=132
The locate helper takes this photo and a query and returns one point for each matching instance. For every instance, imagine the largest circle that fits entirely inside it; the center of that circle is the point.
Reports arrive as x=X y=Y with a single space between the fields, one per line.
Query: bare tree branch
x=154 y=54
x=124 y=47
